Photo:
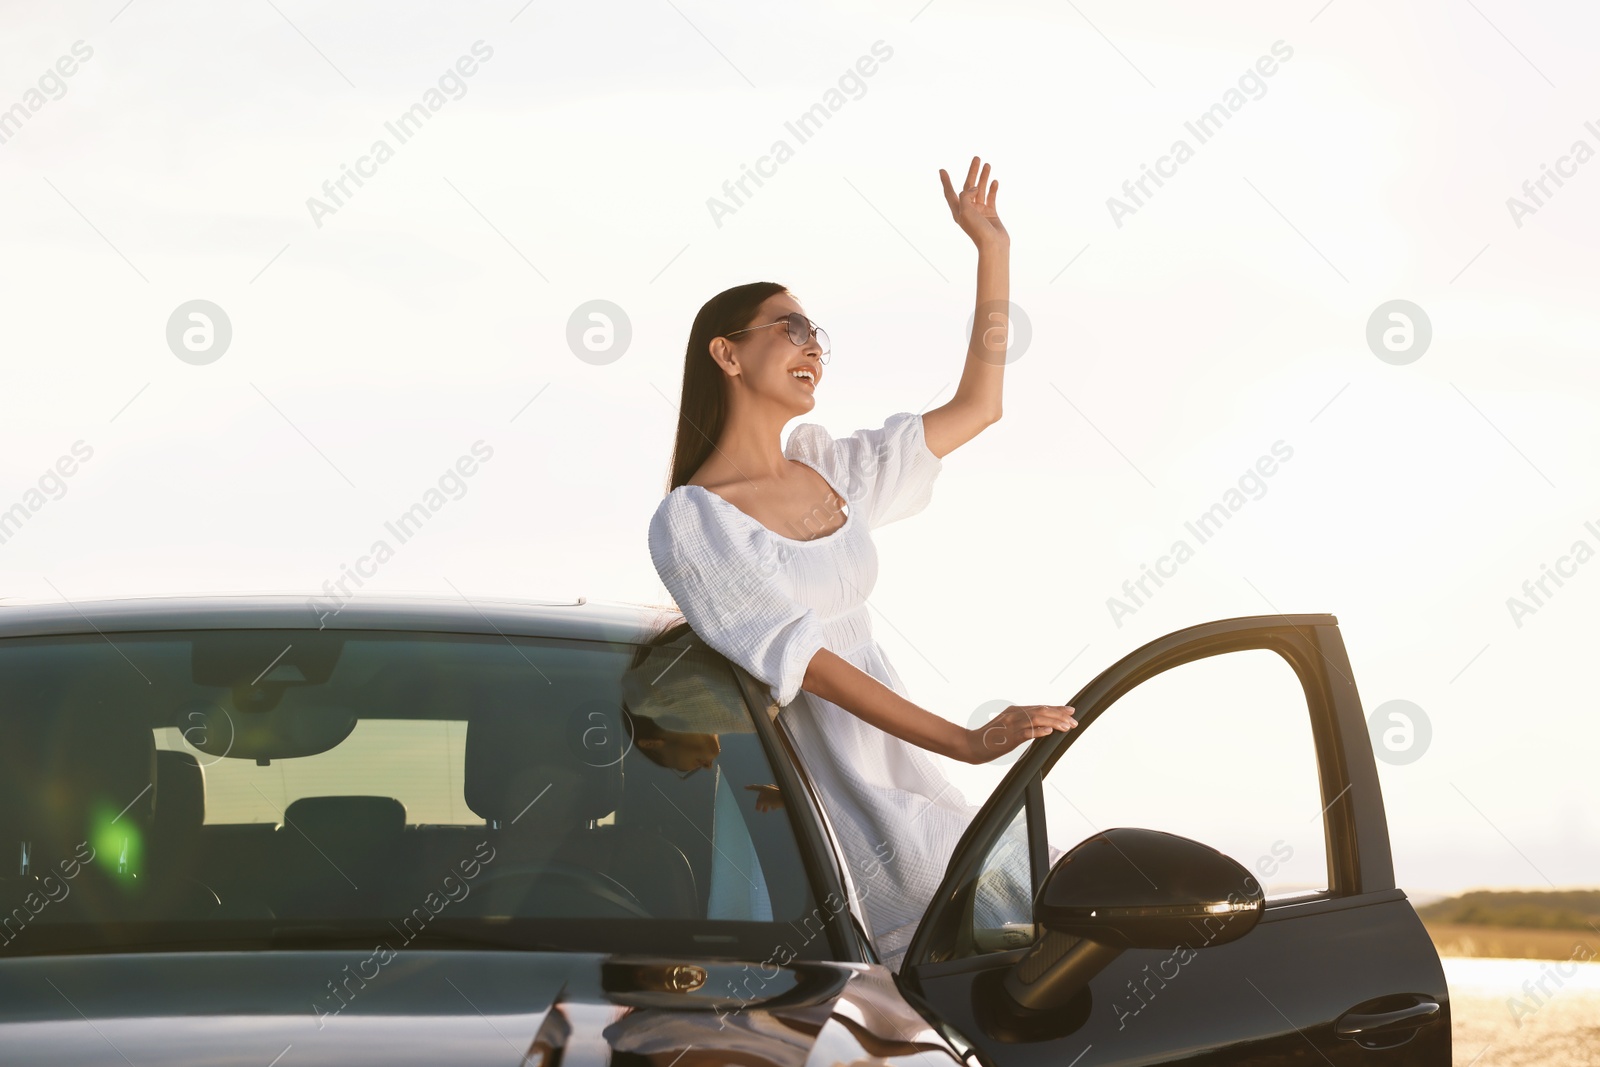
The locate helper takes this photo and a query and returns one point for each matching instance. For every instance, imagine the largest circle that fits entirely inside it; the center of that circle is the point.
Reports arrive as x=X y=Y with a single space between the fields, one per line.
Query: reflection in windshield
x=676 y=705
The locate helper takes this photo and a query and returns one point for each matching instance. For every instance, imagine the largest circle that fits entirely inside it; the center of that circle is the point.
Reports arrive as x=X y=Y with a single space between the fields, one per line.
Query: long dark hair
x=703 y=405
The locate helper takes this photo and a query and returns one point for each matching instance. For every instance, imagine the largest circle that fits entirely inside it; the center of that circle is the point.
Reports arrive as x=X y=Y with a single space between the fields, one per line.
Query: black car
x=246 y=830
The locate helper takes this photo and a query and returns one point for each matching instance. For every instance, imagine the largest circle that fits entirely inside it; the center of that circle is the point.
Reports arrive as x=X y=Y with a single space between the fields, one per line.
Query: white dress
x=769 y=602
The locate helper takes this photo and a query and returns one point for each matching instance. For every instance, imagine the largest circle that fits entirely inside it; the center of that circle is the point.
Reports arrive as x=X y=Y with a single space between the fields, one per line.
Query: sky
x=1374 y=266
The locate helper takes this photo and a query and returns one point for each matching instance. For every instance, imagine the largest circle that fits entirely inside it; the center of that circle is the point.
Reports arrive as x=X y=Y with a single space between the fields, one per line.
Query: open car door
x=1145 y=947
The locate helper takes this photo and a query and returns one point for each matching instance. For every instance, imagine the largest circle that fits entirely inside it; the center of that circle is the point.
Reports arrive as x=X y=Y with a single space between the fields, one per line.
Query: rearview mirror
x=279 y=732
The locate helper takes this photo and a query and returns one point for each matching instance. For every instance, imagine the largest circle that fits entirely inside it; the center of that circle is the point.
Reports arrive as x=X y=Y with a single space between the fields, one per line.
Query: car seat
x=543 y=791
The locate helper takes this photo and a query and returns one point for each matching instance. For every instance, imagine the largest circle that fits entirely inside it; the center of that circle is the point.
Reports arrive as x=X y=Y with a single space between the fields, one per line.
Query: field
x=1499 y=1017
x=1507 y=942
x=1524 y=976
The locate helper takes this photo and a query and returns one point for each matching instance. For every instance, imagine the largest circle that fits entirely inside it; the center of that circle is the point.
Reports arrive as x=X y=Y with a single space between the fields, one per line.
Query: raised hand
x=973 y=209
x=1015 y=725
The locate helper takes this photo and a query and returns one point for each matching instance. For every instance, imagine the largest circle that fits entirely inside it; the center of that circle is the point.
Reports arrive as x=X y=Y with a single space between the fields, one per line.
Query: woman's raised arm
x=976 y=403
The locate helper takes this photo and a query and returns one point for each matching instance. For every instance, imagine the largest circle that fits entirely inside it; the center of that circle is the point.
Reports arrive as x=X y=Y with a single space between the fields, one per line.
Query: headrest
x=567 y=760
x=180 y=791
x=325 y=819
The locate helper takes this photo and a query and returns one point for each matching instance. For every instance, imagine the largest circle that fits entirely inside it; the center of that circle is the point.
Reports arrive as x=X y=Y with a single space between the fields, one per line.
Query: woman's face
x=767 y=358
x=683 y=751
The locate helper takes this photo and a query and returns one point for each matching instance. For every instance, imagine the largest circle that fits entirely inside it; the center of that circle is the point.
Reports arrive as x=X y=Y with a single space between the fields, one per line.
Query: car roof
x=578 y=618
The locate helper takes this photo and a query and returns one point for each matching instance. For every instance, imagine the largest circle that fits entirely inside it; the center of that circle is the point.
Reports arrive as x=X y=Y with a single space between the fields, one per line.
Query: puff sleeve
x=887 y=471
x=729 y=586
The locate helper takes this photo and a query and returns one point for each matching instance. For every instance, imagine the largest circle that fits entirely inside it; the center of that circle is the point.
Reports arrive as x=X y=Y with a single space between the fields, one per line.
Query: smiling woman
x=778 y=612
x=768 y=551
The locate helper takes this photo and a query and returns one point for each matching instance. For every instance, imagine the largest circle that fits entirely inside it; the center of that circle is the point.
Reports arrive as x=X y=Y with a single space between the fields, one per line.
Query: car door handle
x=1380 y=1029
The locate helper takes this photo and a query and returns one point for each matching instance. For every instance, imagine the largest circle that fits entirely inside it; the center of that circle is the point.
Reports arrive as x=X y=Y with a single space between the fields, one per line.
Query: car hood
x=297 y=1008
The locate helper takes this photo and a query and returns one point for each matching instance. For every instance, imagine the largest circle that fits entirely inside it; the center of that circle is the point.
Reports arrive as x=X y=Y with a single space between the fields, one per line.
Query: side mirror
x=1129 y=888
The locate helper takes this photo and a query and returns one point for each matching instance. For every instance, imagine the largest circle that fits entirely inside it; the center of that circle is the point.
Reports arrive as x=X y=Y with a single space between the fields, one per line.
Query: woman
x=767 y=552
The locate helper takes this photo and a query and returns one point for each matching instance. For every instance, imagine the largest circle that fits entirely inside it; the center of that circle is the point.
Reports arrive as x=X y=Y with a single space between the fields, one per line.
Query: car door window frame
x=857 y=912
x=844 y=926
x=1355 y=830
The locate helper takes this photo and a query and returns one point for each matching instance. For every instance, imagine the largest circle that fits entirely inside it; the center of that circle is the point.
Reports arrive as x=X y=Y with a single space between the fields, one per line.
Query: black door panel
x=1344 y=977
x=1271 y=998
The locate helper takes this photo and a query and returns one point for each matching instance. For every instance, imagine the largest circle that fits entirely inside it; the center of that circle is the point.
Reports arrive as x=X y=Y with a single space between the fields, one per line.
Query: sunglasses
x=800 y=331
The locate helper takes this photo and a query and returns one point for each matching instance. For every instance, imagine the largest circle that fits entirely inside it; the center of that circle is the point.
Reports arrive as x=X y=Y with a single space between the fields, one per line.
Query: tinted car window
x=193 y=788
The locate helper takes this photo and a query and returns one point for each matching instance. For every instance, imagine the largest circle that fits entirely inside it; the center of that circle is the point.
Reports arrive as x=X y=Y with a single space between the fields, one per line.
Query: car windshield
x=250 y=788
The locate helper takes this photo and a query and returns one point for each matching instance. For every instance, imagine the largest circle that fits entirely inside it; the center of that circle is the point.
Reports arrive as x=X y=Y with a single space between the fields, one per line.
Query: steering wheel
x=593 y=883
